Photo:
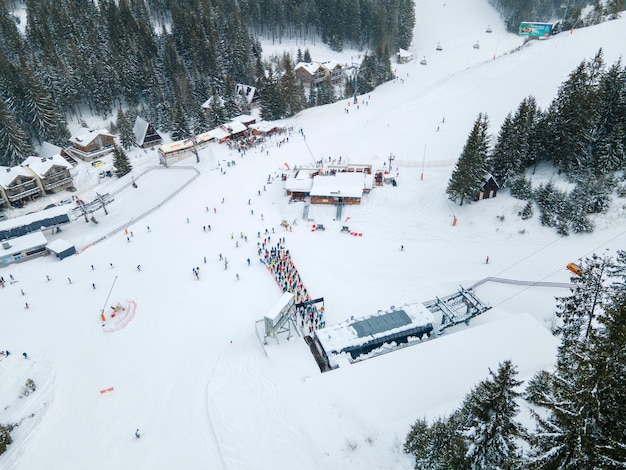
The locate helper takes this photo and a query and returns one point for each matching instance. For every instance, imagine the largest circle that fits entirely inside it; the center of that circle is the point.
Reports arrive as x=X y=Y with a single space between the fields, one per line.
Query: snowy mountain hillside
x=186 y=367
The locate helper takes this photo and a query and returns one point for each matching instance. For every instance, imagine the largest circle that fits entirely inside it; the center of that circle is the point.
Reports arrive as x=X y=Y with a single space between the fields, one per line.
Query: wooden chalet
x=91 y=144
x=489 y=189
x=146 y=136
x=249 y=93
x=333 y=70
x=316 y=72
x=309 y=72
x=53 y=172
x=18 y=185
x=404 y=56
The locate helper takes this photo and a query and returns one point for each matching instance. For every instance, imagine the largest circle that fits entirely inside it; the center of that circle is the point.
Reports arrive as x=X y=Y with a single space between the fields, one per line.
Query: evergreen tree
x=216 y=115
x=180 y=125
x=469 y=174
x=325 y=92
x=504 y=163
x=438 y=446
x=273 y=103
x=609 y=137
x=125 y=130
x=490 y=428
x=584 y=397
x=14 y=143
x=121 y=163
x=567 y=138
x=289 y=89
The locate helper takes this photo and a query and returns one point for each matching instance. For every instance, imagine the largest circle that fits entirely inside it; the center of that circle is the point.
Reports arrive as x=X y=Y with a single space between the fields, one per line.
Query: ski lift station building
x=375 y=334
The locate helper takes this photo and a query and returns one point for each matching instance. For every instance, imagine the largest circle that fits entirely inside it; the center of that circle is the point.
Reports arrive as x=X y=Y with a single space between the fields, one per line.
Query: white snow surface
x=188 y=369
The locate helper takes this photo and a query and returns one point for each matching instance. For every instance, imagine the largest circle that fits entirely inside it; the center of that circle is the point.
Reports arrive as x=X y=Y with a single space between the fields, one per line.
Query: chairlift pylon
x=439 y=48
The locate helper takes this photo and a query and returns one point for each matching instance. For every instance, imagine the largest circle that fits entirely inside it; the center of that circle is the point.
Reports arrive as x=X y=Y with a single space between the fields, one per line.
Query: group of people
x=279 y=263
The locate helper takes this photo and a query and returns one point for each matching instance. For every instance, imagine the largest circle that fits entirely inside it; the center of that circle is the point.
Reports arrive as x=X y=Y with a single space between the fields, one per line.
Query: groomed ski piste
x=188 y=369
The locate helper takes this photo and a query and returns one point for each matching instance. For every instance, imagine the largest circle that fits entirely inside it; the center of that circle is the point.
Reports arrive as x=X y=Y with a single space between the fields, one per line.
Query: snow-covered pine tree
x=609 y=145
x=121 y=163
x=585 y=398
x=125 y=130
x=289 y=89
x=14 y=143
x=579 y=310
x=503 y=161
x=490 y=428
x=469 y=174
x=438 y=446
x=180 y=125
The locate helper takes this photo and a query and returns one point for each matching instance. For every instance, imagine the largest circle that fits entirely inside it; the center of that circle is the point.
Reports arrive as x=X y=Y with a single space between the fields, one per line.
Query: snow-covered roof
x=404 y=53
x=264 y=126
x=176 y=146
x=88 y=135
x=310 y=67
x=351 y=333
x=236 y=127
x=247 y=91
x=245 y=119
x=139 y=129
x=59 y=246
x=219 y=133
x=41 y=165
x=23 y=243
x=339 y=185
x=301 y=182
x=8 y=174
x=49 y=150
x=207 y=103
x=331 y=64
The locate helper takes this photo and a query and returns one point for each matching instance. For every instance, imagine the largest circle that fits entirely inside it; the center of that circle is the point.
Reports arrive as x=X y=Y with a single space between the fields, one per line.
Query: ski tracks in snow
x=245 y=406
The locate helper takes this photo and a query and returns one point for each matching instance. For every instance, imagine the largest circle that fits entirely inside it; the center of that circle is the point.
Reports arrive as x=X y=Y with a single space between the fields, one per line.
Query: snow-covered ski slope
x=188 y=370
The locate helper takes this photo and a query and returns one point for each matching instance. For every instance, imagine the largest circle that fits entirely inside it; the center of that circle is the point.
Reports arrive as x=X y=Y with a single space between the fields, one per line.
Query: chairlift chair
x=476 y=45
x=439 y=48
x=488 y=30
x=423 y=61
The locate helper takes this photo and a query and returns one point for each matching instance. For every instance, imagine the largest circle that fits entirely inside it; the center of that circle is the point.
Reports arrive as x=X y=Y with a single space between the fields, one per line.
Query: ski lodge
x=352 y=340
x=340 y=187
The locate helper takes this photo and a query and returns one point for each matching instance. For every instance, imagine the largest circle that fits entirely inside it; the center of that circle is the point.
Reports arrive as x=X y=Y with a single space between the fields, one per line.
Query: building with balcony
x=53 y=172
x=91 y=144
x=18 y=185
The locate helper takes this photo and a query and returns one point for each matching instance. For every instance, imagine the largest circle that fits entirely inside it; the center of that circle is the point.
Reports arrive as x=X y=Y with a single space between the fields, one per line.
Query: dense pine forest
x=163 y=58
